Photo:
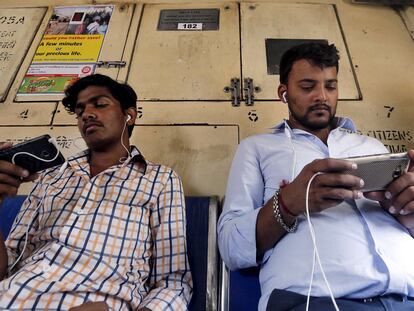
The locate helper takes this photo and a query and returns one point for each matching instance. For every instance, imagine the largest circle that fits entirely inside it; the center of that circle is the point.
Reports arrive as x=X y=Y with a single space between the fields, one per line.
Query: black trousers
x=283 y=300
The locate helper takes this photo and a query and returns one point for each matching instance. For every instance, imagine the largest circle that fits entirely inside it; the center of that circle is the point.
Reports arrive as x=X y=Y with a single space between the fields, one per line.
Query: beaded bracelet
x=278 y=215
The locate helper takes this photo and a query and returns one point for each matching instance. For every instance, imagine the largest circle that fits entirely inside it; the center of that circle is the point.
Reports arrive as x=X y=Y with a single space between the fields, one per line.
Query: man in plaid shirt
x=105 y=231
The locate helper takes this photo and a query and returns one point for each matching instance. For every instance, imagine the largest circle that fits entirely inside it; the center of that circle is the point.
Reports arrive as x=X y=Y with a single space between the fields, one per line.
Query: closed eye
x=331 y=86
x=307 y=87
x=100 y=104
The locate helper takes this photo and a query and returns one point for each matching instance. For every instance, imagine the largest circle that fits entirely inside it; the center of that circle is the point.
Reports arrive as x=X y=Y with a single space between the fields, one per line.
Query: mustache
x=319 y=106
x=89 y=123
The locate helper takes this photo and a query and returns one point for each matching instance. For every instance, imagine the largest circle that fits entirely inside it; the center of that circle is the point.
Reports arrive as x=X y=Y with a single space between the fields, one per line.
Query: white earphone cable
x=315 y=249
x=124 y=160
x=51 y=140
x=311 y=230
x=34 y=215
x=26 y=234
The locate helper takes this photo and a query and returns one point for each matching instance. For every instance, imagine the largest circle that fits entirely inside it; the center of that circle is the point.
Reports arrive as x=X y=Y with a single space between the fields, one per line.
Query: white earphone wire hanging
x=311 y=229
x=315 y=249
x=124 y=160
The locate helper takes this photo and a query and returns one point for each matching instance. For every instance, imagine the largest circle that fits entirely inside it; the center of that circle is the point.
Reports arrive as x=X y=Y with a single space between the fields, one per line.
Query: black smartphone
x=34 y=155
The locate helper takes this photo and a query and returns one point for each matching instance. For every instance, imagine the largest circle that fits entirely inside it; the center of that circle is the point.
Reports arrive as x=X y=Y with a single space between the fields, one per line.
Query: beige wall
x=203 y=132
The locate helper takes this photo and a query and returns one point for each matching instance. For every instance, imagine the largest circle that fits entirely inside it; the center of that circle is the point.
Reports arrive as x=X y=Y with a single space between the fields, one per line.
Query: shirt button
x=79 y=211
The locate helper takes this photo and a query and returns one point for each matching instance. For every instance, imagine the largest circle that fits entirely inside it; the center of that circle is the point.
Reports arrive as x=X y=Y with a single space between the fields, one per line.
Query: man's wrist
x=288 y=222
x=288 y=206
x=285 y=210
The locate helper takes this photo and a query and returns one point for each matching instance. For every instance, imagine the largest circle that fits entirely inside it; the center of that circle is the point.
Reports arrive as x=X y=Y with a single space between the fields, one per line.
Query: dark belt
x=396 y=297
x=283 y=300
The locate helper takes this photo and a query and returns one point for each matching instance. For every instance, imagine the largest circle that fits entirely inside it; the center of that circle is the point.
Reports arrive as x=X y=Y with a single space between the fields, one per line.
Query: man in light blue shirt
x=365 y=245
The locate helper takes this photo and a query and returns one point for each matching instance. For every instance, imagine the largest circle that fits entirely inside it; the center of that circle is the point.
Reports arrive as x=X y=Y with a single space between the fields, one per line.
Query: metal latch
x=249 y=91
x=234 y=89
x=111 y=64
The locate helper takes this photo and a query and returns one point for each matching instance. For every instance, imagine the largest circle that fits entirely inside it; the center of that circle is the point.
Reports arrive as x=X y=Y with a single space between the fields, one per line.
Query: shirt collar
x=341 y=123
x=137 y=157
x=81 y=159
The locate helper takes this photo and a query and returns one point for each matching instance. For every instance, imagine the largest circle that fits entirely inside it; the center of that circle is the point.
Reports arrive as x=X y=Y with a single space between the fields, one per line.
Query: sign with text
x=52 y=78
x=69 y=49
x=189 y=19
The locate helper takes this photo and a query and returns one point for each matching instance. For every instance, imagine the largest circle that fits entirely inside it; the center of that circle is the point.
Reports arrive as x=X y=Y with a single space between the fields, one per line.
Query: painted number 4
x=190 y=26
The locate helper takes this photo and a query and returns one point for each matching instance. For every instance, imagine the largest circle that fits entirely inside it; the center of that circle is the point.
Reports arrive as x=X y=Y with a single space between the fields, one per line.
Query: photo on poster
x=83 y=20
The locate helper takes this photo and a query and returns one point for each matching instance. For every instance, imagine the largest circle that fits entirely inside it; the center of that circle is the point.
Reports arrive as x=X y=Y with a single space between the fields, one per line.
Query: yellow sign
x=69 y=48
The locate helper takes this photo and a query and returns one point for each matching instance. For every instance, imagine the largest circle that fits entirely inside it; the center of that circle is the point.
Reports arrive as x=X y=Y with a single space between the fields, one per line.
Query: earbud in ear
x=284 y=95
x=128 y=118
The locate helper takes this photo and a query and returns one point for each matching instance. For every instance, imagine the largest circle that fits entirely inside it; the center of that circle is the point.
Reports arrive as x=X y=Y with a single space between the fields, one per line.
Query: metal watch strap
x=278 y=215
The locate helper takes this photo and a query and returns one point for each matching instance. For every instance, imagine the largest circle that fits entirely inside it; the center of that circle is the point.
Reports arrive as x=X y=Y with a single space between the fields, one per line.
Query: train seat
x=203 y=254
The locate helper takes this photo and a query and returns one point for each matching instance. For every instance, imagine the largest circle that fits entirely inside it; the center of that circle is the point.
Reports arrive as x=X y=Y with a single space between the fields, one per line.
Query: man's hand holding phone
x=398 y=197
x=348 y=178
x=330 y=187
x=11 y=176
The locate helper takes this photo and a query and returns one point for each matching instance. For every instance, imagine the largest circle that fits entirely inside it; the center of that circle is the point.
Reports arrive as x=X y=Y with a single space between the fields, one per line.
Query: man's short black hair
x=318 y=54
x=120 y=91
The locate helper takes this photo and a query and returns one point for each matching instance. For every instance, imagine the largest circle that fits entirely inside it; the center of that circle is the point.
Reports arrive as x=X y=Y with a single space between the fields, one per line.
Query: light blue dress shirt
x=364 y=251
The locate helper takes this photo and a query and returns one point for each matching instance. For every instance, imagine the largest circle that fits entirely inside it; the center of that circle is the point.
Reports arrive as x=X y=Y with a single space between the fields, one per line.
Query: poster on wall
x=53 y=78
x=69 y=49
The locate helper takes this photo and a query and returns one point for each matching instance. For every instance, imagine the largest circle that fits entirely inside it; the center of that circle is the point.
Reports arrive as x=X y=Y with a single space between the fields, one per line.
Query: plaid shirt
x=118 y=236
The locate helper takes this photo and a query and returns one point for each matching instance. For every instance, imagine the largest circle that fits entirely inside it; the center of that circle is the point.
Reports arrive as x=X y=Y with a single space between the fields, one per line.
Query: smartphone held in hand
x=379 y=170
x=34 y=155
